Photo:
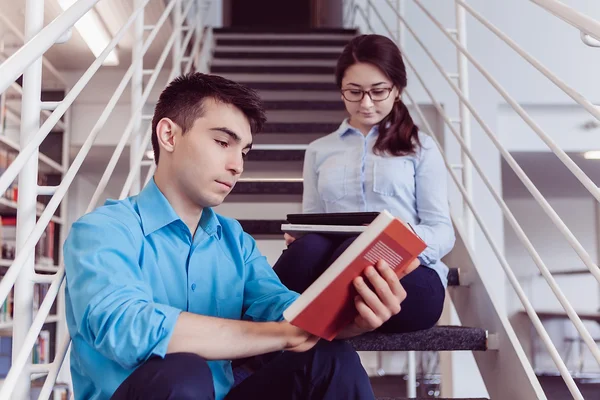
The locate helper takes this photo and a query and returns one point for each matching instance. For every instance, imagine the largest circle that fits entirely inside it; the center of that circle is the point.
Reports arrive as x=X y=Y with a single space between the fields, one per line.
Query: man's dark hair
x=182 y=101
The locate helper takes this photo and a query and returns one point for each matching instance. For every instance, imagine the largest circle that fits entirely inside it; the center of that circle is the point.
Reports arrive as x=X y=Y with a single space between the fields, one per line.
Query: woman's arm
x=435 y=225
x=311 y=199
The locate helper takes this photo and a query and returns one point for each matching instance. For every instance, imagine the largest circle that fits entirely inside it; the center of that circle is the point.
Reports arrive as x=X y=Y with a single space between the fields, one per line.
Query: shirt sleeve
x=111 y=304
x=265 y=297
x=311 y=200
x=435 y=226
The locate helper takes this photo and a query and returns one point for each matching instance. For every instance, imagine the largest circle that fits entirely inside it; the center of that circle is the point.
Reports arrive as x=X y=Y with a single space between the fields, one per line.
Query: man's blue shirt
x=133 y=265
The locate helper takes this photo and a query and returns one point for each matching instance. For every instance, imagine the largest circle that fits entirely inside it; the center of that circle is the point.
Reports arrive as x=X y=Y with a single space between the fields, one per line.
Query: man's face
x=209 y=158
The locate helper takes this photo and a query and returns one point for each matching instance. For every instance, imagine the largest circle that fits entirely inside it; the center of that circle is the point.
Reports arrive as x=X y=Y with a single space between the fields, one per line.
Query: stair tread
x=437 y=398
x=222 y=41
x=301 y=86
x=264 y=55
x=438 y=338
x=273 y=69
x=271 y=29
x=303 y=105
x=300 y=127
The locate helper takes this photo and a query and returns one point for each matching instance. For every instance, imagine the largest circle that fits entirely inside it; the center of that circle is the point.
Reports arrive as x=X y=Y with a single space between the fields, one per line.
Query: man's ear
x=166 y=131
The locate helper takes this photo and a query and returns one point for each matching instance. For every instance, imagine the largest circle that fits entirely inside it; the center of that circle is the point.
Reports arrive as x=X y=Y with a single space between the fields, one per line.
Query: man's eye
x=244 y=156
x=222 y=143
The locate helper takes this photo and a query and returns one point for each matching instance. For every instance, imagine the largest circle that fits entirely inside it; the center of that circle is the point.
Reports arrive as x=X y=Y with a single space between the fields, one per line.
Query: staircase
x=294 y=74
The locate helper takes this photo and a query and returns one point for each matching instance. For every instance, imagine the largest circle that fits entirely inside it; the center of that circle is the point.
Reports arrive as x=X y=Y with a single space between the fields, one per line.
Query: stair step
x=265 y=55
x=275 y=155
x=424 y=398
x=303 y=127
x=273 y=69
x=262 y=227
x=303 y=86
x=271 y=187
x=221 y=41
x=271 y=29
x=304 y=105
x=438 y=338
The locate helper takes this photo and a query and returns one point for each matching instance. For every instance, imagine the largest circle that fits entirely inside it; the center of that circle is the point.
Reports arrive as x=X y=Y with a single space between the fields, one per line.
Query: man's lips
x=229 y=185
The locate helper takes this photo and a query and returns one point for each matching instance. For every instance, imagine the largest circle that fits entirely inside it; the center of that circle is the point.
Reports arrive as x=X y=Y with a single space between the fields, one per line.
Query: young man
x=162 y=292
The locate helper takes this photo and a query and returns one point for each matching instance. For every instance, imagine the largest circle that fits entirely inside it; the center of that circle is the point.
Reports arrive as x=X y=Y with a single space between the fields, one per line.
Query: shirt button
x=193 y=287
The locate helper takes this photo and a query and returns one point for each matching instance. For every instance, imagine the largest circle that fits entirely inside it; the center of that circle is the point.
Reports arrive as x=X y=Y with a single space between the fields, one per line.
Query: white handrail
x=572 y=93
x=30 y=149
x=7 y=177
x=129 y=129
x=25 y=153
x=36 y=47
x=571 y=16
x=506 y=211
x=45 y=61
x=135 y=166
x=569 y=163
x=512 y=279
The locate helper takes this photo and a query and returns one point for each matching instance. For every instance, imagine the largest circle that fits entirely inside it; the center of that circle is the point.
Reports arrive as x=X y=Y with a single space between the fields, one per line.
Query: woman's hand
x=289 y=239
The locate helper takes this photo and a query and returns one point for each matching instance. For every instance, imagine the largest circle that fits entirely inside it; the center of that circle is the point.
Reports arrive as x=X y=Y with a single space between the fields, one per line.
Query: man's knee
x=177 y=376
x=337 y=353
x=189 y=376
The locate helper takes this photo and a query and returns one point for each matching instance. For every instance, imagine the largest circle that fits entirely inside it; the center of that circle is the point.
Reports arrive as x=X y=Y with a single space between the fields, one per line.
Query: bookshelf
x=52 y=165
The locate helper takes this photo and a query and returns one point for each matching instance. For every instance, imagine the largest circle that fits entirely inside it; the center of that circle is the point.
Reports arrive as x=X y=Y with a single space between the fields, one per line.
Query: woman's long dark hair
x=398 y=134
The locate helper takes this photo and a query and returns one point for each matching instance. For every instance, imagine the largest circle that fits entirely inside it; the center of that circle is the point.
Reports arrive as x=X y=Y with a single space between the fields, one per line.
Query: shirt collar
x=156 y=212
x=346 y=128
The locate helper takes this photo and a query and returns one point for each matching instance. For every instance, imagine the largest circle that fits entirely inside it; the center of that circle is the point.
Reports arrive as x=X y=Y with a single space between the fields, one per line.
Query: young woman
x=377 y=159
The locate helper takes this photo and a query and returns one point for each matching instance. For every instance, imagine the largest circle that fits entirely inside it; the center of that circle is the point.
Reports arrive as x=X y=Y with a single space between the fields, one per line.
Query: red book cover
x=327 y=306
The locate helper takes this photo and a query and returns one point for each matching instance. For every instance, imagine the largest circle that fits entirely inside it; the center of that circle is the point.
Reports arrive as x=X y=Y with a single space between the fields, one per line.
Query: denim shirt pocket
x=390 y=174
x=332 y=183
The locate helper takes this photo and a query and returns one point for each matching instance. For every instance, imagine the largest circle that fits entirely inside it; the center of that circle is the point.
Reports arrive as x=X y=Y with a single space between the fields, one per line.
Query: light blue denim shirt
x=133 y=265
x=342 y=174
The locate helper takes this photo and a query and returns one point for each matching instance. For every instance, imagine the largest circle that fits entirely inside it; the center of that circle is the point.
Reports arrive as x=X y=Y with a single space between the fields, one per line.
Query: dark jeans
x=307 y=257
x=329 y=371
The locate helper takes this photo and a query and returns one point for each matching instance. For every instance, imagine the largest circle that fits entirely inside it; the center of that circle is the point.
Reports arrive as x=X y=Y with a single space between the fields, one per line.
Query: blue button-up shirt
x=342 y=174
x=133 y=265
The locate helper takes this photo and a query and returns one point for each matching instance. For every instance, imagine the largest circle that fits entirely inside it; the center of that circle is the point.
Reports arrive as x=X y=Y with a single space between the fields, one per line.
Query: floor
x=554 y=387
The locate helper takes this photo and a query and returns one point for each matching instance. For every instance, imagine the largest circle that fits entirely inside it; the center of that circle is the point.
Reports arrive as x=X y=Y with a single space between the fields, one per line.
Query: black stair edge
x=265 y=55
x=262 y=227
x=438 y=338
x=303 y=127
x=425 y=398
x=267 y=187
x=301 y=86
x=223 y=41
x=291 y=30
x=336 y=105
x=273 y=69
x=275 y=155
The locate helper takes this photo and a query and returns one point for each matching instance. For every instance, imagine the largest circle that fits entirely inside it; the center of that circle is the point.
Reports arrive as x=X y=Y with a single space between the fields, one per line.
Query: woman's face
x=366 y=113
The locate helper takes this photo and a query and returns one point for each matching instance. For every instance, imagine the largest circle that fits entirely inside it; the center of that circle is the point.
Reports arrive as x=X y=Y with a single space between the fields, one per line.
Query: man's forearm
x=225 y=339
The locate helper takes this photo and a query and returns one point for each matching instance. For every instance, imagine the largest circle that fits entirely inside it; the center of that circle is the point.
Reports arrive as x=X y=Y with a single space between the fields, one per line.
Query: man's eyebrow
x=232 y=134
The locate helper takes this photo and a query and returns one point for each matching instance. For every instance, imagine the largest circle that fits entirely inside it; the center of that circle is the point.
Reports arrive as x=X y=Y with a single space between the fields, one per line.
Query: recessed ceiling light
x=592 y=155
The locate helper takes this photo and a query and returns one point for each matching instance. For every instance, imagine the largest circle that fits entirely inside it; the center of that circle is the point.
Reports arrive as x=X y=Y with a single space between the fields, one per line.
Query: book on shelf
x=327 y=306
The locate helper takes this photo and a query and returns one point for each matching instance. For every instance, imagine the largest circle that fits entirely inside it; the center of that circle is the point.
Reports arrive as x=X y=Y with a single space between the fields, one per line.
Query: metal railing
x=187 y=18
x=372 y=15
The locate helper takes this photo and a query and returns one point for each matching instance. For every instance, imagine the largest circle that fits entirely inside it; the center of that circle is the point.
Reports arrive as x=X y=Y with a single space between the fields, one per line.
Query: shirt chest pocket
x=393 y=175
x=332 y=183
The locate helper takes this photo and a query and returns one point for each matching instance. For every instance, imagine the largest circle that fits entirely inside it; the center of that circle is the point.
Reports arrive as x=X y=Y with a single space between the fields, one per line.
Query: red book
x=327 y=306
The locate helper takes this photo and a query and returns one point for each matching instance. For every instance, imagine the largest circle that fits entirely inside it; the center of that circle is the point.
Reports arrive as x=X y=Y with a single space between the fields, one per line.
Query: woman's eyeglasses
x=376 y=94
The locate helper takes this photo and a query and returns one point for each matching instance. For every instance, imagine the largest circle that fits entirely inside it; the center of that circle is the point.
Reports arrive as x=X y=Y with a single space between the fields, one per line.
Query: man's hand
x=297 y=340
x=381 y=301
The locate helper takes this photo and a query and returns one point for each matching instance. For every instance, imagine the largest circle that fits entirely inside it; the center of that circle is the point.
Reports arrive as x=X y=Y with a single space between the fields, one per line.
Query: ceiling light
x=150 y=154
x=592 y=155
x=93 y=32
